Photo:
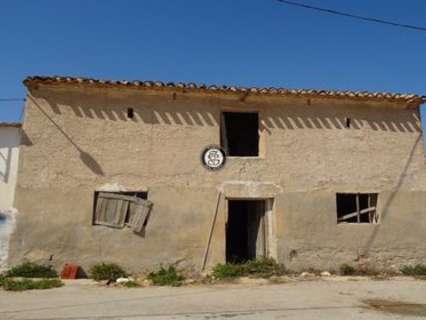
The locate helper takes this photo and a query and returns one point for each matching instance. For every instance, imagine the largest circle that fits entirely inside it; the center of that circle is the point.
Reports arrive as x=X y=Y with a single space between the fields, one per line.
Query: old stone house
x=112 y=171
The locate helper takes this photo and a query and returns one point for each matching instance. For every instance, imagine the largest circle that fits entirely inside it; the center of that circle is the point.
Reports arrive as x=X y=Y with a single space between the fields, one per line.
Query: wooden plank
x=120 y=212
x=211 y=229
x=112 y=195
x=98 y=211
x=370 y=215
x=111 y=212
x=140 y=212
x=358 y=217
x=102 y=216
x=354 y=214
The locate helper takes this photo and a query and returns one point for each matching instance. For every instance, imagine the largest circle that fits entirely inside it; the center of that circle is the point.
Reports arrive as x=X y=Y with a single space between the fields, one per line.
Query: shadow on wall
x=286 y=118
x=85 y=157
x=393 y=120
x=114 y=109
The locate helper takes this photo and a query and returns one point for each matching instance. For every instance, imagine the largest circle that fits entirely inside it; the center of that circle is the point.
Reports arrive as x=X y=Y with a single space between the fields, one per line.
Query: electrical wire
x=353 y=16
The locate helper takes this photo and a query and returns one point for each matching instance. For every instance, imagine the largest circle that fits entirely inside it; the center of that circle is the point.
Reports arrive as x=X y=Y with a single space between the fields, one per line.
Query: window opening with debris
x=120 y=209
x=239 y=134
x=357 y=207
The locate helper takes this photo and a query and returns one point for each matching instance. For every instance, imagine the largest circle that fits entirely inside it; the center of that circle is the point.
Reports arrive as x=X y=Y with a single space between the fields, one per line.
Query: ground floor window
x=356 y=207
x=120 y=209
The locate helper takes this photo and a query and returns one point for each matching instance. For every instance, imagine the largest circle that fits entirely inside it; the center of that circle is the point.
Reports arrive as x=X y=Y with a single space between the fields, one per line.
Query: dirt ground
x=329 y=298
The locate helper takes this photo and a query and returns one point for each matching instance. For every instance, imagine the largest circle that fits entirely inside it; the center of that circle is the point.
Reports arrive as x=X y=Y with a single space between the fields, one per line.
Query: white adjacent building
x=10 y=138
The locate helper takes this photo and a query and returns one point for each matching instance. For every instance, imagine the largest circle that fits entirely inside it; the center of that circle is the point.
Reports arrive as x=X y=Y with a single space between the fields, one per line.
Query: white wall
x=9 y=152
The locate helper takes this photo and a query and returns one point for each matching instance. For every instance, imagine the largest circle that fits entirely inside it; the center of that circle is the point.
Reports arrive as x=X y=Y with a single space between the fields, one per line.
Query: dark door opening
x=245 y=230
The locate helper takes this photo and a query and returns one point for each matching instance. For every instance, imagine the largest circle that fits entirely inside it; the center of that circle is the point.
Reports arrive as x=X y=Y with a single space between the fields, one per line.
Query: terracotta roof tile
x=364 y=95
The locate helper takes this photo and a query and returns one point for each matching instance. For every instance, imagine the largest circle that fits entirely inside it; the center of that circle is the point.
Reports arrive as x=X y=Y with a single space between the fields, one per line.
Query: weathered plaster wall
x=79 y=140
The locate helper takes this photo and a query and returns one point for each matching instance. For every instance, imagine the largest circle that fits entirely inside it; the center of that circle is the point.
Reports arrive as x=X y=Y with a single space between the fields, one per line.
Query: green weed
x=166 y=277
x=417 y=270
x=28 y=284
x=106 y=271
x=347 y=270
x=260 y=268
x=31 y=270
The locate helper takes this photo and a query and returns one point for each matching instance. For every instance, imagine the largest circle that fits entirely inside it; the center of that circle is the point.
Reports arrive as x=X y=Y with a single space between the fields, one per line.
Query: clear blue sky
x=238 y=42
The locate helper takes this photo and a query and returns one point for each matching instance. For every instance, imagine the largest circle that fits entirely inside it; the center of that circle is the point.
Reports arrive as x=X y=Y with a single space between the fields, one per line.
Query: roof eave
x=409 y=100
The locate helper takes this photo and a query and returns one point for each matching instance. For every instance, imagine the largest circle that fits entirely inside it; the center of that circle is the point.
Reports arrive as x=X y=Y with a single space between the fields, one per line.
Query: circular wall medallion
x=213 y=157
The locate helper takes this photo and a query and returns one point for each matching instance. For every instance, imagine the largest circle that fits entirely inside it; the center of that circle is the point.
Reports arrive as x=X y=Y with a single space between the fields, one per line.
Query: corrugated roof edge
x=411 y=99
x=11 y=124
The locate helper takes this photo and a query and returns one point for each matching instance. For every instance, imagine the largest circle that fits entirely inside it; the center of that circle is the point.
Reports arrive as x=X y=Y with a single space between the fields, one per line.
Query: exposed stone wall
x=80 y=140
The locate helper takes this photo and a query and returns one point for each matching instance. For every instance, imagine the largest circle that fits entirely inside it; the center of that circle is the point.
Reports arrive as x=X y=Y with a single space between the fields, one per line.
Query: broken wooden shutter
x=139 y=211
x=111 y=209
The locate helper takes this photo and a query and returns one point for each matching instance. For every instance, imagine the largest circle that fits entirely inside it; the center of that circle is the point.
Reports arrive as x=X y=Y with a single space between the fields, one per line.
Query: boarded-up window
x=356 y=208
x=118 y=209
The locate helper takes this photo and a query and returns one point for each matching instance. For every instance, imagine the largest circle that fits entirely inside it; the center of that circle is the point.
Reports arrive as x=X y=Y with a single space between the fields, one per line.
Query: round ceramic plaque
x=213 y=157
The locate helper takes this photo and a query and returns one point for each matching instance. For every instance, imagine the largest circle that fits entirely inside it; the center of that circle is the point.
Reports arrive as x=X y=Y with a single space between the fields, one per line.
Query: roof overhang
x=409 y=100
x=10 y=125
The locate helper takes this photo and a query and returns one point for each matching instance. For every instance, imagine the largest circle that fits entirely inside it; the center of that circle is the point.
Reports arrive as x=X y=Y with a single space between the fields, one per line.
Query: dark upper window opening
x=356 y=207
x=130 y=113
x=239 y=134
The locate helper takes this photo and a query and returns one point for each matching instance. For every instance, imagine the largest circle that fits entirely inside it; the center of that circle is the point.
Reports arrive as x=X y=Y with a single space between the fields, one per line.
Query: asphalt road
x=319 y=299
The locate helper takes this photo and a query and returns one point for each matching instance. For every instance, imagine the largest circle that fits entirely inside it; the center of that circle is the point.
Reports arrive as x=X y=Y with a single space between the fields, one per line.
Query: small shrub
x=166 y=277
x=262 y=268
x=2 y=278
x=28 y=284
x=31 y=270
x=227 y=270
x=347 y=270
x=106 y=271
x=417 y=270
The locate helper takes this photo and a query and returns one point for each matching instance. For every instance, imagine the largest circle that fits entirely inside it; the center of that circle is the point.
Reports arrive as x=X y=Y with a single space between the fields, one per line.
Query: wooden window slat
x=138 y=214
x=354 y=214
x=111 y=211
